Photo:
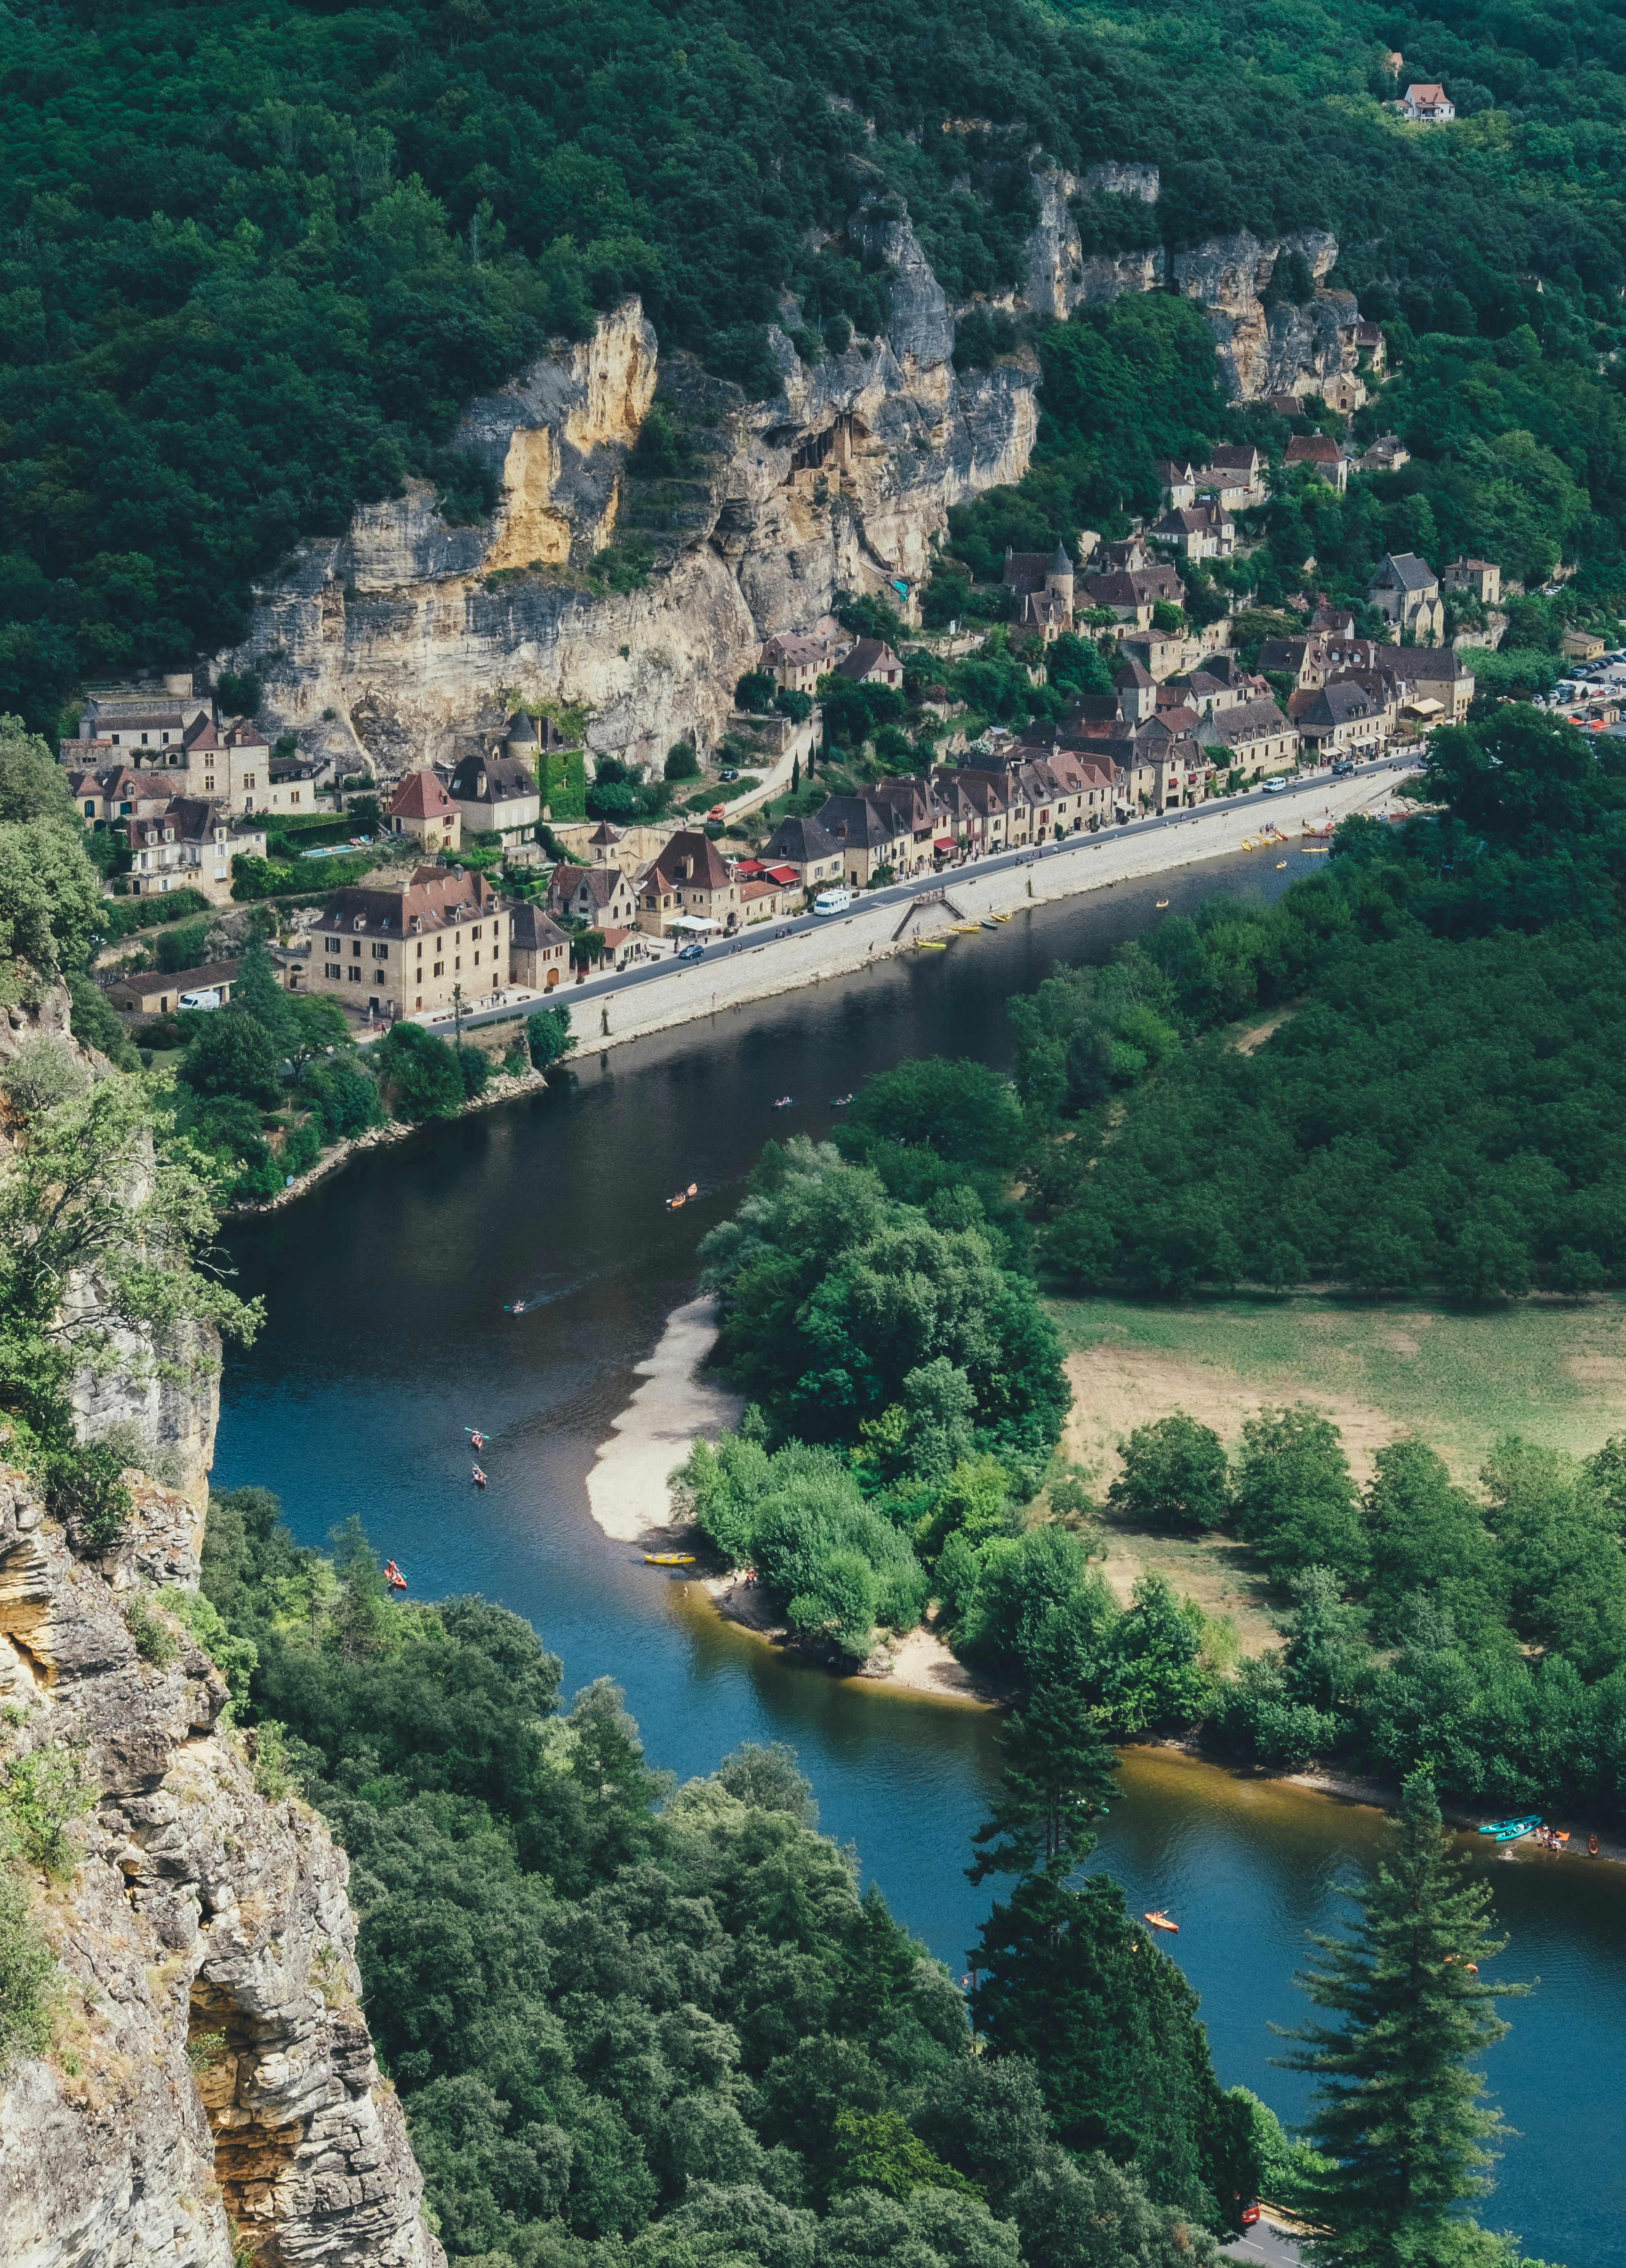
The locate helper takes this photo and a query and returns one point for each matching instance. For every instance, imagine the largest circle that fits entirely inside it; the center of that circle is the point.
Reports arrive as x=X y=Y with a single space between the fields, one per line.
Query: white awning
x=693 y=921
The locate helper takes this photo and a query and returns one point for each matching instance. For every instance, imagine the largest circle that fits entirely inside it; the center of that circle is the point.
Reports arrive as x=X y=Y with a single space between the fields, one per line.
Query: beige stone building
x=689 y=882
x=538 y=951
x=421 y=806
x=402 y=949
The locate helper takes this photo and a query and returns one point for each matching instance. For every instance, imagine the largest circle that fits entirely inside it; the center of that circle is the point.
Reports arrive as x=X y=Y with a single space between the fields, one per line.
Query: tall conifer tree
x=1397 y=2110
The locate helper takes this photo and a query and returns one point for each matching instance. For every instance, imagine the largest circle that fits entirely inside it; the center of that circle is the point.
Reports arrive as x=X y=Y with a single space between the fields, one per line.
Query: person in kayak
x=478 y=1477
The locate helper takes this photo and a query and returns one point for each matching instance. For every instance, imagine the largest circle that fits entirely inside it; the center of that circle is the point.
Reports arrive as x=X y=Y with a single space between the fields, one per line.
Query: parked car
x=731 y=774
x=696 y=952
x=1343 y=767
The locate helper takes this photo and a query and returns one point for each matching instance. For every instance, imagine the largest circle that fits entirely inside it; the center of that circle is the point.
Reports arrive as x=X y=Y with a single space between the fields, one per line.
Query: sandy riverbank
x=917 y=1659
x=679 y=1403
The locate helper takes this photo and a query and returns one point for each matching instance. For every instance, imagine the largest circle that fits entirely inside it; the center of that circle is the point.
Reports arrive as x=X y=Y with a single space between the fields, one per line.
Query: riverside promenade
x=655 y=996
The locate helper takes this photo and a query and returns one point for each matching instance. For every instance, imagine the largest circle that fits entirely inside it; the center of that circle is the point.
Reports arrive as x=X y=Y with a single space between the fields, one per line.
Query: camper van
x=832 y=901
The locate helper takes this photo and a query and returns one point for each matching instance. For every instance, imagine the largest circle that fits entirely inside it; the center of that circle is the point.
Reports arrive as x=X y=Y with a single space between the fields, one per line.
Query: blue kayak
x=1509 y=1830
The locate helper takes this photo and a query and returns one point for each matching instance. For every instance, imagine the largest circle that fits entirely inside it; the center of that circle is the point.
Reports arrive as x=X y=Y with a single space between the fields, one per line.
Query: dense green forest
x=382 y=212
x=1440 y=1103
x=642 y=2027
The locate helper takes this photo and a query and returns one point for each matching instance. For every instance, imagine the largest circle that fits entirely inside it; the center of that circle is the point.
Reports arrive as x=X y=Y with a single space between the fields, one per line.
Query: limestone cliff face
x=842 y=479
x=198 y=1914
x=1261 y=350
x=392 y=640
x=1269 y=350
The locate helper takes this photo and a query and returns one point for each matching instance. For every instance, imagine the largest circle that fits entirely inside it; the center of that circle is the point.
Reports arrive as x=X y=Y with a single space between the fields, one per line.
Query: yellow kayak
x=669 y=1558
x=932 y=944
x=967 y=929
x=1001 y=918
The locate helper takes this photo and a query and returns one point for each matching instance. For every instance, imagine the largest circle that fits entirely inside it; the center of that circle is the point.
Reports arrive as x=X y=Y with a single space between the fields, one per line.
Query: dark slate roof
x=1405 y=571
x=801 y=841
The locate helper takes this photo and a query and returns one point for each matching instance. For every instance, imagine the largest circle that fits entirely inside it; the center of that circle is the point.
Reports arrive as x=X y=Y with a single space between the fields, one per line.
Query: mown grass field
x=1550 y=1372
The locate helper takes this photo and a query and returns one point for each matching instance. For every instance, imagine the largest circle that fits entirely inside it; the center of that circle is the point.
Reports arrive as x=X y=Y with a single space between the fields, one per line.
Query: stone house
x=1405 y=590
x=796 y=662
x=1427 y=105
x=688 y=884
x=152 y=719
x=157 y=992
x=1236 y=477
x=808 y=848
x=1201 y=531
x=1324 y=455
x=118 y=791
x=188 y=844
x=1044 y=583
x=1479 y=578
x=602 y=896
x=1179 y=482
x=1341 y=719
x=871 y=832
x=1131 y=596
x=1440 y=674
x=870 y=662
x=421 y=806
x=1180 y=772
x=1388 y=453
x=403 y=949
x=538 y=951
x=1255 y=735
x=496 y=795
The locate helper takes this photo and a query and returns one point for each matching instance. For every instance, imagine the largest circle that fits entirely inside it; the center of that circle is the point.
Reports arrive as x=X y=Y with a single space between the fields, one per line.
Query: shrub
x=681 y=762
x=82 y=1490
x=233 y=1054
x=40 y=1795
x=475 y=1069
x=549 y=1035
x=421 y=1073
x=155 y=1641
x=27 y=1974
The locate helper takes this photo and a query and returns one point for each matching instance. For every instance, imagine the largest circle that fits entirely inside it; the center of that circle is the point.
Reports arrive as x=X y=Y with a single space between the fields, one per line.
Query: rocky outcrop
x=1279 y=349
x=387 y=643
x=211 y=2091
x=1263 y=351
x=394 y=638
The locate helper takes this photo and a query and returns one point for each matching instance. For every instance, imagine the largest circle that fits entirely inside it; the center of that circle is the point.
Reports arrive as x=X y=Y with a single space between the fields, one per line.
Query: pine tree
x=1058 y=1775
x=796 y=774
x=1397 y=2108
x=1068 y=1980
x=257 y=991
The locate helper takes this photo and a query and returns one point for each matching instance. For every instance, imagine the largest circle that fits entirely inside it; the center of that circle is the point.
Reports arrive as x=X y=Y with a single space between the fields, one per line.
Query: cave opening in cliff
x=224 y=2048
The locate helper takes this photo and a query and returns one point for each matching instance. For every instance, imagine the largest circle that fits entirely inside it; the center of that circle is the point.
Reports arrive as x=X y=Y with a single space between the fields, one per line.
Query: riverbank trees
x=637 y=2026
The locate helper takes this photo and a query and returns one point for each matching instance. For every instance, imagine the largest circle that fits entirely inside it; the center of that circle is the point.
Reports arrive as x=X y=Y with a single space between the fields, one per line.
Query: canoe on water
x=669 y=1558
x=1509 y=1830
x=1160 y=1920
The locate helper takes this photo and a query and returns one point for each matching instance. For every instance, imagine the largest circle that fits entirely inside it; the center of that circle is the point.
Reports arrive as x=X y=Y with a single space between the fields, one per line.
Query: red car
x=1250 y=2213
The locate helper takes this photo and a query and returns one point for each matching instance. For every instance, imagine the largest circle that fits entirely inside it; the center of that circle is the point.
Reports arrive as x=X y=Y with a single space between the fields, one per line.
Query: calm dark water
x=387 y=1338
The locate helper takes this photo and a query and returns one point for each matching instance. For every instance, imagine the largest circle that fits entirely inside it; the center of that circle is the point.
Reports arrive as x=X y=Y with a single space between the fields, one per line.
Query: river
x=387 y=1338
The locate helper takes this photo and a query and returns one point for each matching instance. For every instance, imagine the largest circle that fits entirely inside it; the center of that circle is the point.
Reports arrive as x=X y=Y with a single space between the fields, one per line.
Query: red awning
x=944 y=842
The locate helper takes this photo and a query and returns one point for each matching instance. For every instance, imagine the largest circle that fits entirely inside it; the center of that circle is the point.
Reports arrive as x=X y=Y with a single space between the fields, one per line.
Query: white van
x=832 y=901
x=199 y=1000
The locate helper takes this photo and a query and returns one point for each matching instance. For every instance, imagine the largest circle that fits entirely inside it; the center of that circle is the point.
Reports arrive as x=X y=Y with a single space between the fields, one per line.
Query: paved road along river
x=387 y=1338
